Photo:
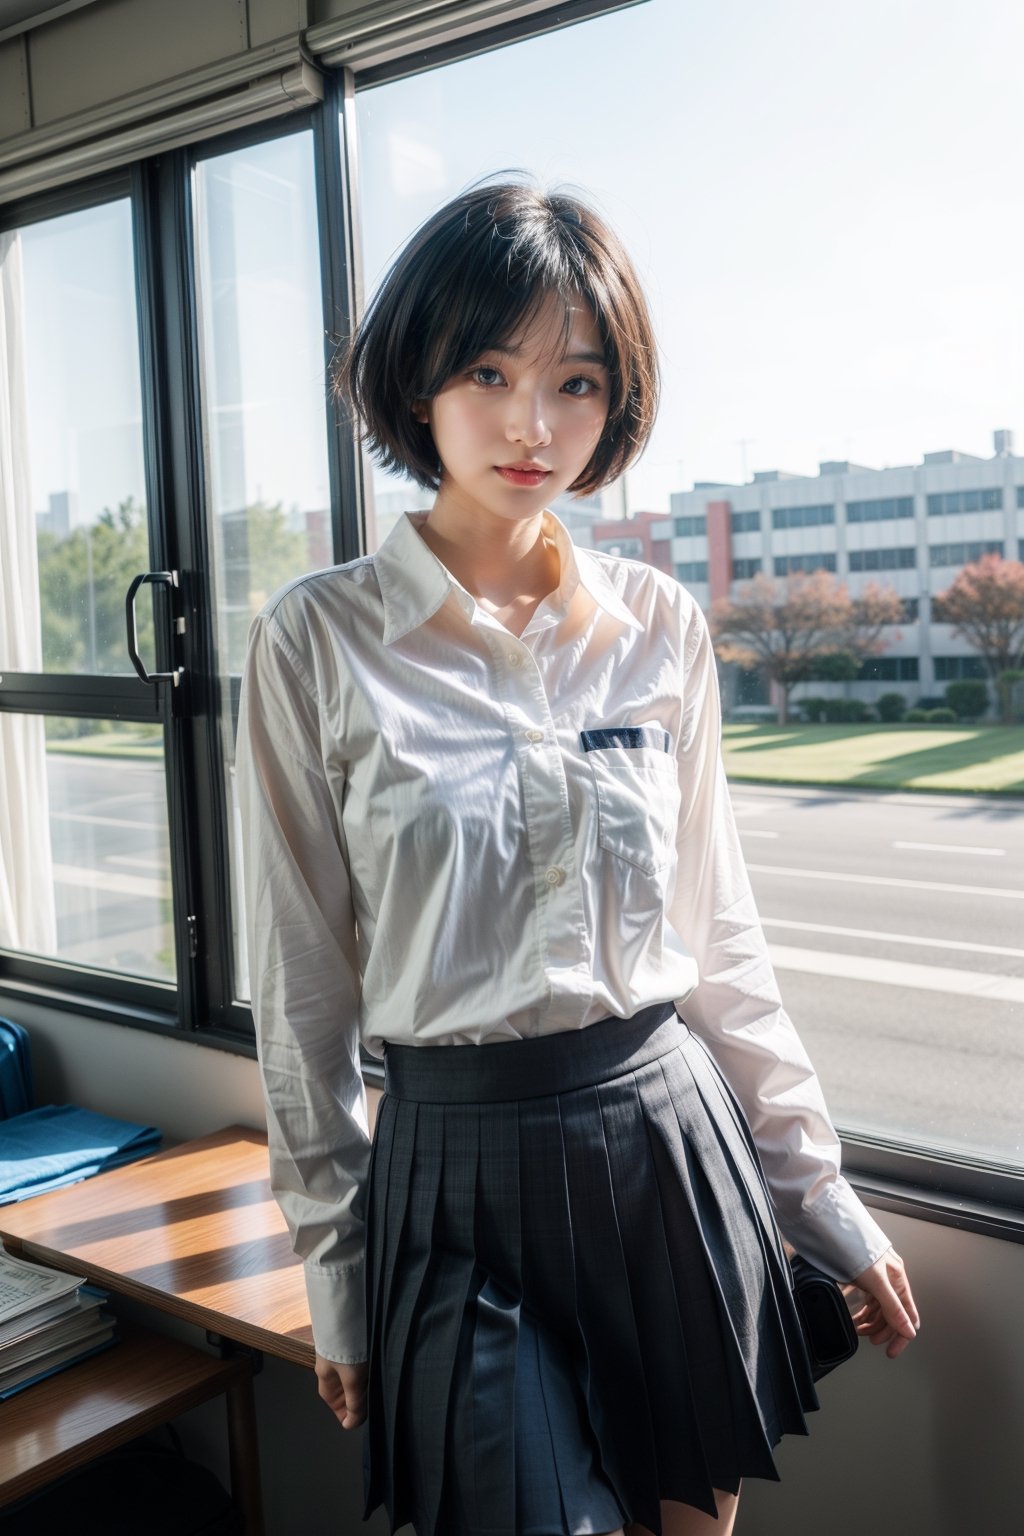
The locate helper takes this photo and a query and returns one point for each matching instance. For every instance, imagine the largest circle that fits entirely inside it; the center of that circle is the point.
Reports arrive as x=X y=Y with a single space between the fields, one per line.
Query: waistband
x=532 y=1068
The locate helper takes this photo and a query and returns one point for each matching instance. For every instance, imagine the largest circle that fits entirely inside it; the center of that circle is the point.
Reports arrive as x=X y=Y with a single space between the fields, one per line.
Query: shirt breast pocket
x=637 y=795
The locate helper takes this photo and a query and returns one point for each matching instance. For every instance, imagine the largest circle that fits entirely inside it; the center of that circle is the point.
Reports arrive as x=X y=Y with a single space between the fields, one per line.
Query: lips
x=523 y=474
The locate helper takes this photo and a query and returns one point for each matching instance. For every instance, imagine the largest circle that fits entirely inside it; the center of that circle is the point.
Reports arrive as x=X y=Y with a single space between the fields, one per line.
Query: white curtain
x=27 y=915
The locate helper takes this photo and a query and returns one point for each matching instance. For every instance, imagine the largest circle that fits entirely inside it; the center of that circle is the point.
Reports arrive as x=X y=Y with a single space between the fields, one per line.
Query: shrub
x=931 y=701
x=891 y=706
x=813 y=709
x=916 y=717
x=941 y=717
x=968 y=698
x=845 y=711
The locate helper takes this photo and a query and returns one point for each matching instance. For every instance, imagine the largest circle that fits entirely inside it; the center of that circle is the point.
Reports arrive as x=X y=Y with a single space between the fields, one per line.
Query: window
x=262 y=391
x=883 y=559
x=802 y=517
x=963 y=554
x=988 y=499
x=786 y=565
x=745 y=522
x=883 y=509
x=692 y=570
x=743 y=568
x=83 y=747
x=950 y=669
x=889 y=669
x=690 y=527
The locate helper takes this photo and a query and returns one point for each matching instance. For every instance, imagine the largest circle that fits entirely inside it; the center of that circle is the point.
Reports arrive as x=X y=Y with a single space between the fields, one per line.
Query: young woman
x=488 y=835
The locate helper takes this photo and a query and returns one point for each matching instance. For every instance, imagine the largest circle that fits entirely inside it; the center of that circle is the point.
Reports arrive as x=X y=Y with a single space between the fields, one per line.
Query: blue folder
x=60 y=1144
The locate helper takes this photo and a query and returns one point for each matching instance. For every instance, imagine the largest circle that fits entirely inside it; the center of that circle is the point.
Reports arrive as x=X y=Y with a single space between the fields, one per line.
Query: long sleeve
x=736 y=1009
x=305 y=988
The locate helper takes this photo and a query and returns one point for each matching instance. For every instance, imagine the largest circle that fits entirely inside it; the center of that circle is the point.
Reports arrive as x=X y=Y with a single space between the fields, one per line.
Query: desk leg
x=243 y=1449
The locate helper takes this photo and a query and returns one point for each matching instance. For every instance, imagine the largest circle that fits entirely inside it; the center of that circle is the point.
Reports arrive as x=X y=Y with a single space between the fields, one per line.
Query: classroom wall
x=924 y=1443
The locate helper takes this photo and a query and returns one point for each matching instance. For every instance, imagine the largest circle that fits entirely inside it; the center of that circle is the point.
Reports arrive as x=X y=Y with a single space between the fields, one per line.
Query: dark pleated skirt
x=578 y=1300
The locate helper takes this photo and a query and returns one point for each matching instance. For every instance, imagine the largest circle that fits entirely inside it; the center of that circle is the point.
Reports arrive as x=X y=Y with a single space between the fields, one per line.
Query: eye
x=580 y=386
x=487 y=376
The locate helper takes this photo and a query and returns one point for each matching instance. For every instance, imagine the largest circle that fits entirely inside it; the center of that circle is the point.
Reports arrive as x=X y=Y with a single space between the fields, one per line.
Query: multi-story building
x=911 y=528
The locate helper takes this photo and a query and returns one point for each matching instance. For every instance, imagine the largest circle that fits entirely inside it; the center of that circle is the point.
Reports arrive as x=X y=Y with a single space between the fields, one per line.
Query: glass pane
x=69 y=356
x=263 y=391
x=85 y=873
x=814 y=333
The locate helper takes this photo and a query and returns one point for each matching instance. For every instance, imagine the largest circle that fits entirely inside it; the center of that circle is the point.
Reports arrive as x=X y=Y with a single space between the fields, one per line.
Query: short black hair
x=471 y=277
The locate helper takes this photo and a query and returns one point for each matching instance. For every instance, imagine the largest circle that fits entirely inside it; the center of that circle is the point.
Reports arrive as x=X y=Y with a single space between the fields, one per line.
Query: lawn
x=978 y=759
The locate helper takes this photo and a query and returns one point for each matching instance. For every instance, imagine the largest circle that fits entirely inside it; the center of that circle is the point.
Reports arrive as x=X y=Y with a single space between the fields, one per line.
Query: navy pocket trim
x=626 y=736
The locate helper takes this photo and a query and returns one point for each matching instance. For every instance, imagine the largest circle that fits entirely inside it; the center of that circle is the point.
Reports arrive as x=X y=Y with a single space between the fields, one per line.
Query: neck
x=494 y=558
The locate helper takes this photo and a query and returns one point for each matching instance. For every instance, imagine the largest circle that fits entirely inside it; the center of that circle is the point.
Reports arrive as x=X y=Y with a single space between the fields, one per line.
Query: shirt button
x=514 y=659
x=535 y=735
x=554 y=875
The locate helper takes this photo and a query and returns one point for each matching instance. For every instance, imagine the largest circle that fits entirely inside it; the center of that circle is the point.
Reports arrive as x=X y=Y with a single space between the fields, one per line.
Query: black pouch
x=829 y=1334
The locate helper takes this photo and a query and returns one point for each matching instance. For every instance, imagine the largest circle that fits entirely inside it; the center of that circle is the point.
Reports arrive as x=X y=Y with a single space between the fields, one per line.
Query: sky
x=823 y=201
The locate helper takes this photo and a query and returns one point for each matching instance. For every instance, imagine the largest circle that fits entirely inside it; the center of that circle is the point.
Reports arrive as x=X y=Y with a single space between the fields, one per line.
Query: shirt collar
x=414 y=583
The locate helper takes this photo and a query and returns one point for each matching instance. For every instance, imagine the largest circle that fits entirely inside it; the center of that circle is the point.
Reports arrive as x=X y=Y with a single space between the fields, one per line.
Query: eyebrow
x=596 y=359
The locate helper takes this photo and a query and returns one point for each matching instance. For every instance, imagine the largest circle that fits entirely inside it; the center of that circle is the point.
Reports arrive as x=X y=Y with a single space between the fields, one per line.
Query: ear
x=420 y=411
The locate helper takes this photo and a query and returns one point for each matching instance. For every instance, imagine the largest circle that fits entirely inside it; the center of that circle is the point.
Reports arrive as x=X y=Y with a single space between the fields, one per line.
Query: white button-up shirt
x=456 y=836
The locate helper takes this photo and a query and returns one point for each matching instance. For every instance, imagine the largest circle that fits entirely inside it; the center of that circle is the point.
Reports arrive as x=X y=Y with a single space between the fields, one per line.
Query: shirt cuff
x=337 y=1309
x=838 y=1233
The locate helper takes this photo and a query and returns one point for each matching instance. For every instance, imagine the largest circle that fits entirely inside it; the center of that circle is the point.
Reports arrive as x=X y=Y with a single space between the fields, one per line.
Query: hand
x=343 y=1389
x=882 y=1304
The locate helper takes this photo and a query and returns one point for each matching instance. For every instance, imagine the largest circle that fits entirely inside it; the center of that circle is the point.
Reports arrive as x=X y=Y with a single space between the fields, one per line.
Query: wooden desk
x=195 y=1232
x=68 y=1419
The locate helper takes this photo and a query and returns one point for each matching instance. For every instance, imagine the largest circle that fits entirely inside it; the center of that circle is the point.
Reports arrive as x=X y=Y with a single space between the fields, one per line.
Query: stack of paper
x=48 y=1320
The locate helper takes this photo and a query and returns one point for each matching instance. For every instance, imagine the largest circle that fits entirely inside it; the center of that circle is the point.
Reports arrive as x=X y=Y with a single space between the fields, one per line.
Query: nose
x=527 y=421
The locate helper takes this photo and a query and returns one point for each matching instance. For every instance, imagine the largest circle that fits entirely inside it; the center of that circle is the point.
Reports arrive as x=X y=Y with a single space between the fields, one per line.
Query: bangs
x=504 y=275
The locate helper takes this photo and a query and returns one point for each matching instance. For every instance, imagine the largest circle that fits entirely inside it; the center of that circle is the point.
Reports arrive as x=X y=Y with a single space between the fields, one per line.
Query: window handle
x=163 y=578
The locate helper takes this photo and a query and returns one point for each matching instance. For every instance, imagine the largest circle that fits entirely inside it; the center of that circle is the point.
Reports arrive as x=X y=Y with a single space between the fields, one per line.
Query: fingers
x=890 y=1316
x=343 y=1389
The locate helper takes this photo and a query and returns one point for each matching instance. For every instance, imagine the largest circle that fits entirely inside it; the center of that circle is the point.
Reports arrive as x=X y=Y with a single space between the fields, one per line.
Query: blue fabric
x=61 y=1144
x=15 y=1070
x=631 y=736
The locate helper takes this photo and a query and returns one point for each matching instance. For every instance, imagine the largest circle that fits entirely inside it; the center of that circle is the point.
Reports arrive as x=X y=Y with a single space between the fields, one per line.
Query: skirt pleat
x=578 y=1300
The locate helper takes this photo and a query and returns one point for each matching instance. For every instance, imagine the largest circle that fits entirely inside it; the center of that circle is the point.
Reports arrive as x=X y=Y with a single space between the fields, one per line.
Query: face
x=518 y=426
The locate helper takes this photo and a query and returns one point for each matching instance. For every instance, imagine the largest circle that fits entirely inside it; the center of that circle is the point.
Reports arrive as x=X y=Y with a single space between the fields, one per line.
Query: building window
x=889 y=669
x=883 y=559
x=910 y=609
x=747 y=522
x=988 y=499
x=692 y=570
x=802 y=517
x=744 y=568
x=963 y=554
x=691 y=527
x=1020 y=495
x=786 y=565
x=950 y=669
x=883 y=509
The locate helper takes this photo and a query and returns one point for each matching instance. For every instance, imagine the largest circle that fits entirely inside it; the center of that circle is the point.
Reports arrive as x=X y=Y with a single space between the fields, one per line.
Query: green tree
x=83 y=579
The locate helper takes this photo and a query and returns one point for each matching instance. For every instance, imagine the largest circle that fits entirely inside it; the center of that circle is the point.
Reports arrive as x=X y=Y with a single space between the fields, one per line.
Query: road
x=896 y=924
